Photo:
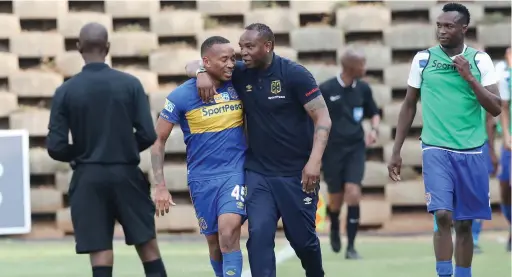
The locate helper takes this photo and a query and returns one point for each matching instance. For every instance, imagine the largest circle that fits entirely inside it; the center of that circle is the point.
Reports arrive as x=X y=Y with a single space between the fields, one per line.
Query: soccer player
x=288 y=126
x=504 y=176
x=349 y=99
x=455 y=82
x=102 y=107
x=214 y=134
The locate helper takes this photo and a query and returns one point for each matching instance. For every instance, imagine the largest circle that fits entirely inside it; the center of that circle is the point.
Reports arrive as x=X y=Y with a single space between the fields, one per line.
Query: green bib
x=452 y=116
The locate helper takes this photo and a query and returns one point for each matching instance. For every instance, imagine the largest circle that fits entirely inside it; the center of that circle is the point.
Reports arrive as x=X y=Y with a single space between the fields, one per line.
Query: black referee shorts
x=343 y=164
x=100 y=195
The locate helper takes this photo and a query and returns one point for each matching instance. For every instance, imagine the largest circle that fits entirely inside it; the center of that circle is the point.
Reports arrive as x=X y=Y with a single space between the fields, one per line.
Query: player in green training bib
x=455 y=81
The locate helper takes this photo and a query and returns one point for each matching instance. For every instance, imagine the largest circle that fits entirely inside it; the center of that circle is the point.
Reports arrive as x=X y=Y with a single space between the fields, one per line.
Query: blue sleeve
x=174 y=107
x=303 y=84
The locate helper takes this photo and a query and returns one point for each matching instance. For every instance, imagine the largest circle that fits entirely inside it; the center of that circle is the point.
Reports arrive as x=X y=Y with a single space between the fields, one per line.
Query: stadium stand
x=153 y=40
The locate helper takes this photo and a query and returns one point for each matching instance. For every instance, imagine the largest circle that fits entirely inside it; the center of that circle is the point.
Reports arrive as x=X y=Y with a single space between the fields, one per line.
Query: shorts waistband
x=476 y=150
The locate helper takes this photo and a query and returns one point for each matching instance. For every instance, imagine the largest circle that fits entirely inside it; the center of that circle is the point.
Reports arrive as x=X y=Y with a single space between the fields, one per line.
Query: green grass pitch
x=383 y=257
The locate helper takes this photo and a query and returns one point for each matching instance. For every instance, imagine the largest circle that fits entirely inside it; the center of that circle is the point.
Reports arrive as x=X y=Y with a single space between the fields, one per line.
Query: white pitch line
x=283 y=255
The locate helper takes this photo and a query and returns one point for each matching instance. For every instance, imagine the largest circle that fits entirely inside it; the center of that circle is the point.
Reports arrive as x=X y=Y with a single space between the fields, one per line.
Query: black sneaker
x=335 y=241
x=352 y=254
x=477 y=249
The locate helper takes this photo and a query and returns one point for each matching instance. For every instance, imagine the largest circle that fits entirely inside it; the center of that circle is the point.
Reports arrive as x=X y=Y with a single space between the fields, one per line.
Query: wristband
x=200 y=70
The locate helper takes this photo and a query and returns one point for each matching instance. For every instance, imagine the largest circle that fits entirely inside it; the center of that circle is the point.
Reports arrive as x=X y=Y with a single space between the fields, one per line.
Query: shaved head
x=353 y=63
x=351 y=55
x=93 y=38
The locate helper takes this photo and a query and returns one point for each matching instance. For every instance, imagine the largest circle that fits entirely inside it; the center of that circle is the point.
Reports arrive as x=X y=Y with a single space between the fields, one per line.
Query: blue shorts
x=504 y=174
x=456 y=181
x=214 y=197
x=486 y=151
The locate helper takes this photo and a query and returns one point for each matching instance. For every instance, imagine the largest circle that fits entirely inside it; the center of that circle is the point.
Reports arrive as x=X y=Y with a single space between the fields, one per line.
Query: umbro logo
x=308 y=200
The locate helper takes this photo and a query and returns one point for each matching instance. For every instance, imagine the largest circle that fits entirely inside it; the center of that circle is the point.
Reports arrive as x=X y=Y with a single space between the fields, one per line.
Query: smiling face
x=254 y=48
x=450 y=29
x=219 y=61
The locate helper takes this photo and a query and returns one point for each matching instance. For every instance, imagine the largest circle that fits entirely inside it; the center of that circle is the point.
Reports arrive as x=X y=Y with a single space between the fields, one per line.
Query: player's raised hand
x=311 y=176
x=205 y=87
x=163 y=200
x=394 y=166
x=463 y=68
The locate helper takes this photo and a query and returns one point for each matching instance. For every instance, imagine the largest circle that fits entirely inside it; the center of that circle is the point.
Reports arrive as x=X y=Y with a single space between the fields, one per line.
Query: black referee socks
x=335 y=219
x=352 y=224
x=101 y=271
x=154 y=268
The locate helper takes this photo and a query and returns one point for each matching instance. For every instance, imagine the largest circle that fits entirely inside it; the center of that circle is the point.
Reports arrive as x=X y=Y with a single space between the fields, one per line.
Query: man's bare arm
x=489 y=96
x=192 y=67
x=490 y=128
x=406 y=117
x=505 y=120
x=163 y=130
x=318 y=112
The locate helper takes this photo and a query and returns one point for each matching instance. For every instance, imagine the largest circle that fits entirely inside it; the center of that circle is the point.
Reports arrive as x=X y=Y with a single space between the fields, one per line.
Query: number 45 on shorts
x=239 y=192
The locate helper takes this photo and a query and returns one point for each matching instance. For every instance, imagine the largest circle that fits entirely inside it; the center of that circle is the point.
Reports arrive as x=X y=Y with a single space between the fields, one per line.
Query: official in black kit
x=108 y=115
x=349 y=100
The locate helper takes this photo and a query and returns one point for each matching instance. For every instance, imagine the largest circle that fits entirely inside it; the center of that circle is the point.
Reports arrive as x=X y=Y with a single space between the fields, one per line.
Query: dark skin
x=219 y=62
x=93 y=45
x=257 y=53
x=451 y=30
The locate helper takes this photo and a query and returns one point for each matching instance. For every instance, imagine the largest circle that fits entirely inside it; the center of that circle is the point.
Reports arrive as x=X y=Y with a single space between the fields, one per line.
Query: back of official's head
x=93 y=42
x=218 y=57
x=257 y=45
x=353 y=63
x=452 y=25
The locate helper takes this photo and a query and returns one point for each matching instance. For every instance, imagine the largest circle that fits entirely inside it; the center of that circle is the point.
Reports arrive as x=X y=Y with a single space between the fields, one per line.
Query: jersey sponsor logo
x=221 y=97
x=232 y=93
x=248 y=88
x=275 y=86
x=215 y=118
x=169 y=106
x=446 y=66
x=218 y=110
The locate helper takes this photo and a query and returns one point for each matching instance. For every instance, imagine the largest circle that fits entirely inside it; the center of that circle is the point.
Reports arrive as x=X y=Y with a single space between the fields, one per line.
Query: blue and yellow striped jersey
x=213 y=132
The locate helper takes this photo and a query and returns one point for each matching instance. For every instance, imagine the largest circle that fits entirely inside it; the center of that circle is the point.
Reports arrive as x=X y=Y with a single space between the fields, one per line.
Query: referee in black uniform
x=109 y=118
x=349 y=100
